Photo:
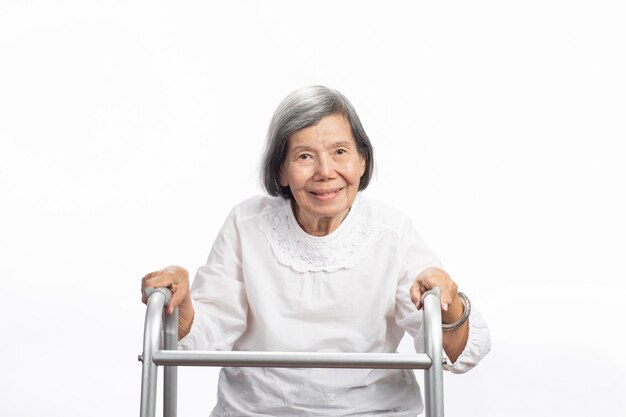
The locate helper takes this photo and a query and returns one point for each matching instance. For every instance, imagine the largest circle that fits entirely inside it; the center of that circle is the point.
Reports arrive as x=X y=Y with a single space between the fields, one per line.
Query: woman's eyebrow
x=338 y=144
x=332 y=145
x=299 y=148
x=345 y=144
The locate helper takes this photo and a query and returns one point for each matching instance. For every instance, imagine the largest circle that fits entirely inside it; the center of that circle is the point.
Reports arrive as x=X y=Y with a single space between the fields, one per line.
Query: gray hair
x=301 y=109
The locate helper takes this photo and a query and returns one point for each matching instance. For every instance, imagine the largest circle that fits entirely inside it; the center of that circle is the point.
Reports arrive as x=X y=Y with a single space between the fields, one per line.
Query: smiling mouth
x=326 y=193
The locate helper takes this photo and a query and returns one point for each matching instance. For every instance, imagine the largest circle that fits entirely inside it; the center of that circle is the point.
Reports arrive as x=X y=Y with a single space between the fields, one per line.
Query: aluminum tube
x=151 y=338
x=163 y=290
x=170 y=373
x=293 y=359
x=433 y=339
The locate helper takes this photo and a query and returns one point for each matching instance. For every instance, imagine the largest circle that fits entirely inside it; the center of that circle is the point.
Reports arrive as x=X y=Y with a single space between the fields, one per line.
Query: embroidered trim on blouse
x=343 y=248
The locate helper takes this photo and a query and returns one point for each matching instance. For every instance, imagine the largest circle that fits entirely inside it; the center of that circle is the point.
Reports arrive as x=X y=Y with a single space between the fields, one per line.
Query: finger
x=429 y=274
x=161 y=280
x=144 y=298
x=452 y=293
x=423 y=283
x=415 y=292
x=444 y=297
x=416 y=295
x=149 y=275
x=177 y=298
x=429 y=283
x=154 y=283
x=148 y=279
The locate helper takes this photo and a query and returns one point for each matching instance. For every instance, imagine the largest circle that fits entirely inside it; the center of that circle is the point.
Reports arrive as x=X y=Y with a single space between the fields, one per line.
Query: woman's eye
x=304 y=156
x=341 y=151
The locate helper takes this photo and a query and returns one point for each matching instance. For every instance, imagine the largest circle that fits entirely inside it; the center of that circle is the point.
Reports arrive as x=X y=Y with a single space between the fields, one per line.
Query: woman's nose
x=324 y=168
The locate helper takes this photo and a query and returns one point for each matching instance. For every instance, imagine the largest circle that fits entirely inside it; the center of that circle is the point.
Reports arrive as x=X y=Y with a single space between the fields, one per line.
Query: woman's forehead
x=334 y=130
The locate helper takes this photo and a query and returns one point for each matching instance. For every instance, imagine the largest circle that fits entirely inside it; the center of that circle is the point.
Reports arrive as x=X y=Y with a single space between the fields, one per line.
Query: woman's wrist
x=185 y=321
x=185 y=317
x=455 y=311
x=455 y=320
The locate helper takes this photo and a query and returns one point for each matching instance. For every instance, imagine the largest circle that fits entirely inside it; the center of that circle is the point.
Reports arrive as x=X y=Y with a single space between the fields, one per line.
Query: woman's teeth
x=327 y=193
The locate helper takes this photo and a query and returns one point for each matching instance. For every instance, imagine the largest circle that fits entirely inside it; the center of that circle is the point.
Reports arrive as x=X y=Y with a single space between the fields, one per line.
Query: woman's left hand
x=429 y=279
x=452 y=308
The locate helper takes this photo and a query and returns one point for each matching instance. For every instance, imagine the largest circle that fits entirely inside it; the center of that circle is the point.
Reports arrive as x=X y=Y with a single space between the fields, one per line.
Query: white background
x=129 y=129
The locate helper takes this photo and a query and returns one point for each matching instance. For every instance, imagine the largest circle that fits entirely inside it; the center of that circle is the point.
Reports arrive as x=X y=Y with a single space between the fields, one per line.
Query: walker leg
x=433 y=358
x=170 y=373
x=433 y=337
x=151 y=338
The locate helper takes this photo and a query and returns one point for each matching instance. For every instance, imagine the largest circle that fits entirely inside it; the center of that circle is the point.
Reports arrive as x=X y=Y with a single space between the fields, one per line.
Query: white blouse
x=269 y=286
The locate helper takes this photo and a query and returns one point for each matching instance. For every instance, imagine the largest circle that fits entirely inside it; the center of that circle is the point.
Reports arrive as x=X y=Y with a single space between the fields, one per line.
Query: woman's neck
x=318 y=226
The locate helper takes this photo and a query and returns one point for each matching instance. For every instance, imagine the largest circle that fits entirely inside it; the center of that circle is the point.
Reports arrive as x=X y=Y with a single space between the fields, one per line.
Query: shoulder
x=382 y=214
x=256 y=206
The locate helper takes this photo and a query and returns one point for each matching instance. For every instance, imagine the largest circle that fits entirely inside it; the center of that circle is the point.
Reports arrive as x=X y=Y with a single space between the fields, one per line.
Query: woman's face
x=323 y=169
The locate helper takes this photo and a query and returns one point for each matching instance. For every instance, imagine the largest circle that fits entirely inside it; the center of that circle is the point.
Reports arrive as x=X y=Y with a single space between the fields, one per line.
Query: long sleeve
x=218 y=295
x=345 y=292
x=416 y=257
x=478 y=345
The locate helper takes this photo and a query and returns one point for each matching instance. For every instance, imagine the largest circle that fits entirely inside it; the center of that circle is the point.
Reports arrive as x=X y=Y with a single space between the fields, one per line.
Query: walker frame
x=170 y=357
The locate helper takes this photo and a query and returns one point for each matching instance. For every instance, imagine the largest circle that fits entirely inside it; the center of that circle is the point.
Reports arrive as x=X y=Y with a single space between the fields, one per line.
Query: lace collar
x=345 y=247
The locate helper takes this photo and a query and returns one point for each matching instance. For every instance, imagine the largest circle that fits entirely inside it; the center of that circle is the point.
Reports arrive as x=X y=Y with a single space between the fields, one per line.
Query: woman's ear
x=362 y=165
x=282 y=178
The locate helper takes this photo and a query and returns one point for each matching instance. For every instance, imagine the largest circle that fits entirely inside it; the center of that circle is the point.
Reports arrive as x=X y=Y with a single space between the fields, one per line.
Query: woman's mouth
x=326 y=195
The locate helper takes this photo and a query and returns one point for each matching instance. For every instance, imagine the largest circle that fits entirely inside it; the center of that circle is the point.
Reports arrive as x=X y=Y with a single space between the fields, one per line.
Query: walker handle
x=163 y=290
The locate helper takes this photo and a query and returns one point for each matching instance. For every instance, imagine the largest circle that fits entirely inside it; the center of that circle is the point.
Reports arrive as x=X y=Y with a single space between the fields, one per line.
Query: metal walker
x=170 y=357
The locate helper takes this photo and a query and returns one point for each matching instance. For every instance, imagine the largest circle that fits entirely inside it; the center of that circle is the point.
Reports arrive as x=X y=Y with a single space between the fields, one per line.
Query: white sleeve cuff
x=478 y=345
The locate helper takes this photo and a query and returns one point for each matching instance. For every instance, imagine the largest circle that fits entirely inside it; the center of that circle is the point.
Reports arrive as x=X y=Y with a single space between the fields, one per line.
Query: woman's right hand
x=175 y=278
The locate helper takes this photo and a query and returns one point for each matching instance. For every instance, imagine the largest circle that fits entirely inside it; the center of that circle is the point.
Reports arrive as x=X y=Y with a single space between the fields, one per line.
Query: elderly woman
x=317 y=266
